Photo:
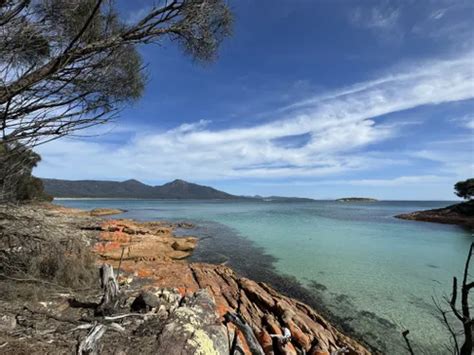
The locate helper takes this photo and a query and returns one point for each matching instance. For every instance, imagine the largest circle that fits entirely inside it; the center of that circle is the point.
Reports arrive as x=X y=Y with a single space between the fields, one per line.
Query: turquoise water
x=376 y=273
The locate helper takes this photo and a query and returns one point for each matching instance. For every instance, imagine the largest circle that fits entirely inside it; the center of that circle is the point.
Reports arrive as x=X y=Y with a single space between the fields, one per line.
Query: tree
x=16 y=182
x=70 y=64
x=67 y=65
x=465 y=189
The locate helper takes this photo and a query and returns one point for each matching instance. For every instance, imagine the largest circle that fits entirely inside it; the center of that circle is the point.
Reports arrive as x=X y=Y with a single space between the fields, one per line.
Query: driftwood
x=120 y=316
x=281 y=340
x=90 y=343
x=246 y=331
x=107 y=305
x=111 y=290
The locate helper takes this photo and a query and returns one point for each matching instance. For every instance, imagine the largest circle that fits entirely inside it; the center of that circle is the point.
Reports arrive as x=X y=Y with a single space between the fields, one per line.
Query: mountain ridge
x=177 y=189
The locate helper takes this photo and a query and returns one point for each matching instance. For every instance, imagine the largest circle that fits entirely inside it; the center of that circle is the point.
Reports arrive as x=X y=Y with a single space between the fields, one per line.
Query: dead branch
x=89 y=345
x=247 y=332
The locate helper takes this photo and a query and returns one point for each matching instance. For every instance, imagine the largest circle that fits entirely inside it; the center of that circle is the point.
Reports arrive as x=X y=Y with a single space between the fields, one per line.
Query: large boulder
x=194 y=328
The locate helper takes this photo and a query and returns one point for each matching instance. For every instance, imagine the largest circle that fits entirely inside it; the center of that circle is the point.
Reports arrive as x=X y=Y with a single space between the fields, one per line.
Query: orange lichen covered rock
x=135 y=242
x=150 y=250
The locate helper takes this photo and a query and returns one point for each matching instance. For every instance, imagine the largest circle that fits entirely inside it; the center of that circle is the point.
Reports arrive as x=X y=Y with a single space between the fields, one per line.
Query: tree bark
x=111 y=290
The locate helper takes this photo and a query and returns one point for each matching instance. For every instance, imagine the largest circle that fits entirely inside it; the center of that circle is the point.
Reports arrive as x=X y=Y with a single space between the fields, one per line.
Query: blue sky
x=322 y=99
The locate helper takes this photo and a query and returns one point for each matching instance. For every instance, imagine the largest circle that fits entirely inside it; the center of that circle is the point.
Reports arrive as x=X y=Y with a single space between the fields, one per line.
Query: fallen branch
x=82 y=327
x=246 y=331
x=282 y=340
x=89 y=345
x=128 y=315
x=117 y=327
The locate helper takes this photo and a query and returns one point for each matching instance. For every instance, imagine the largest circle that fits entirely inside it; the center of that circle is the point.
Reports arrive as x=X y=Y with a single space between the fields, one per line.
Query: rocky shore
x=170 y=306
x=461 y=214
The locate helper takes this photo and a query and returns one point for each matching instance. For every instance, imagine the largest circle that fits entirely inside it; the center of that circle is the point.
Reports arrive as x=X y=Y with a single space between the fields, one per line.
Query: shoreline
x=156 y=257
x=221 y=243
x=461 y=214
x=182 y=273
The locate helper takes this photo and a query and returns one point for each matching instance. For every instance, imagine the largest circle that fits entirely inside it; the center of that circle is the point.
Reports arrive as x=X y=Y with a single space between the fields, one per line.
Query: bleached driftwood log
x=282 y=340
x=90 y=343
x=111 y=290
x=247 y=332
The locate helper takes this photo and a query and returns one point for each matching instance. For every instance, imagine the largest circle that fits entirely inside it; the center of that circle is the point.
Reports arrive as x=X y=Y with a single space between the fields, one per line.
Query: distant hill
x=177 y=189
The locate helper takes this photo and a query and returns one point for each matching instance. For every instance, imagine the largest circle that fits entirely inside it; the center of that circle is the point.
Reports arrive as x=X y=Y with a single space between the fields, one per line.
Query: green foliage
x=31 y=188
x=72 y=64
x=465 y=189
x=16 y=182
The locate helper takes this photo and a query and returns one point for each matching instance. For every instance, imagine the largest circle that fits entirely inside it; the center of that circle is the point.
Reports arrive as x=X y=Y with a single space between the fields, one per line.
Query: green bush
x=16 y=180
x=465 y=189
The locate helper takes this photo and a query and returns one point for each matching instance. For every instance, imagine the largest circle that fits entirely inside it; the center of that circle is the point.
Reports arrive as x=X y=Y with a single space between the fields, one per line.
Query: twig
x=128 y=315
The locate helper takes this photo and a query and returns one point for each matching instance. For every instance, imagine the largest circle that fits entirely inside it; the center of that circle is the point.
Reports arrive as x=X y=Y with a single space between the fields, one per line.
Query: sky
x=310 y=98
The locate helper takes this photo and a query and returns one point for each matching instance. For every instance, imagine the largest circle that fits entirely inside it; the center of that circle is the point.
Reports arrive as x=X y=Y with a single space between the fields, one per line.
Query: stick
x=89 y=345
x=127 y=315
x=247 y=332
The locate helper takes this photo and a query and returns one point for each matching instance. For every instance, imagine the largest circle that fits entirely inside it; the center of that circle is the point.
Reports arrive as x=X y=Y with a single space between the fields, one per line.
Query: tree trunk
x=111 y=290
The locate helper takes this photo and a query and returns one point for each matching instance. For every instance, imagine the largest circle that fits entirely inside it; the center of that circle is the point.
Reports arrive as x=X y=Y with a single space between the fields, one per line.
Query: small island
x=356 y=199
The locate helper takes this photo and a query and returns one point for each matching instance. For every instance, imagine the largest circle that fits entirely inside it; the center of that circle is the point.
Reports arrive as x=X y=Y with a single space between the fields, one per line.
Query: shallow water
x=374 y=273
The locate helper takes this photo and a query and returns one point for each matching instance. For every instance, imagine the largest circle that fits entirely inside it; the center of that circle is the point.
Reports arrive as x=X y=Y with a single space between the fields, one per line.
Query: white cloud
x=383 y=20
x=466 y=121
x=377 y=17
x=339 y=124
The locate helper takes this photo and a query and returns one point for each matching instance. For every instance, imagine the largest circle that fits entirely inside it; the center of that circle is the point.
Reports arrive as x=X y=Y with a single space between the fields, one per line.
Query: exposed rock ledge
x=182 y=304
x=461 y=214
x=149 y=254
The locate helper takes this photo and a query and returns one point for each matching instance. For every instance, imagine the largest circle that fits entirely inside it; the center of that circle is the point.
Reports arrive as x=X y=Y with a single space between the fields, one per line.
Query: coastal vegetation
x=16 y=180
x=465 y=189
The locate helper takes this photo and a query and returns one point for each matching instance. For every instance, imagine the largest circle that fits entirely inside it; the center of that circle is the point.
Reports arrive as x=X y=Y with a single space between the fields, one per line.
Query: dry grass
x=43 y=252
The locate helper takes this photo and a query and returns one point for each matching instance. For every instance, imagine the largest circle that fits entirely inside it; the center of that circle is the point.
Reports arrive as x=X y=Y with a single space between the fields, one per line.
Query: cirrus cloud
x=339 y=129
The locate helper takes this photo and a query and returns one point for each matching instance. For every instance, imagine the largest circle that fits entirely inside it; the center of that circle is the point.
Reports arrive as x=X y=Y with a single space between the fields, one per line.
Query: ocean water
x=371 y=273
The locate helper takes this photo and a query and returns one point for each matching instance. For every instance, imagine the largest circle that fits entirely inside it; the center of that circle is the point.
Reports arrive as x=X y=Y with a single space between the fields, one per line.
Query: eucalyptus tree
x=67 y=65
